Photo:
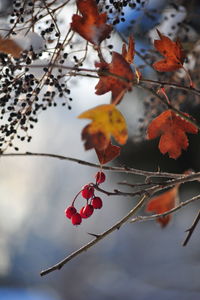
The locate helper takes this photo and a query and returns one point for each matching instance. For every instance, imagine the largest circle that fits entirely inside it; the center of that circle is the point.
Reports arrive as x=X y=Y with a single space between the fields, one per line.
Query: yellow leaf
x=107 y=121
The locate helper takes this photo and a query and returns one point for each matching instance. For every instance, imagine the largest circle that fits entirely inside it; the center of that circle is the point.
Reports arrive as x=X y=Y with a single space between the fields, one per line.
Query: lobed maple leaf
x=119 y=67
x=91 y=25
x=9 y=46
x=163 y=203
x=108 y=154
x=107 y=121
x=172 y=129
x=172 y=51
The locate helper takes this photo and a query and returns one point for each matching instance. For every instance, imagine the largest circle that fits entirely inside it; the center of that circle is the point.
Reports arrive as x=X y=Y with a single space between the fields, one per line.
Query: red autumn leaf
x=172 y=129
x=91 y=25
x=172 y=51
x=129 y=54
x=110 y=153
x=163 y=203
x=121 y=68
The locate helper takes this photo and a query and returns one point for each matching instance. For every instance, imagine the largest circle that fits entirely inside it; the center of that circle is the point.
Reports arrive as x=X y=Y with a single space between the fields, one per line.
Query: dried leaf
x=91 y=25
x=116 y=84
x=107 y=121
x=172 y=129
x=9 y=46
x=172 y=51
x=163 y=203
x=128 y=55
x=108 y=154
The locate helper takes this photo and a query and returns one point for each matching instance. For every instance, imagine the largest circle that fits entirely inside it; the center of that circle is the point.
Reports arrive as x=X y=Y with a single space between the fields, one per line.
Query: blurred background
x=140 y=261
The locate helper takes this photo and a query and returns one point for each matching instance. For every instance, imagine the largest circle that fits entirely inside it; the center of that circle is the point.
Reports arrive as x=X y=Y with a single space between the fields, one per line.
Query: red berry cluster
x=92 y=203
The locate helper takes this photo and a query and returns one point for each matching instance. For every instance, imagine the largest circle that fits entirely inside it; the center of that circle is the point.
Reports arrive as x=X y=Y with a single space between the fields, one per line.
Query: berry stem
x=90 y=184
x=76 y=197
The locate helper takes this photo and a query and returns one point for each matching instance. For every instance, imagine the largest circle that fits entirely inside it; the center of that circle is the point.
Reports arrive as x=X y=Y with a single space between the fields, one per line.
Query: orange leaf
x=162 y=203
x=128 y=55
x=172 y=129
x=173 y=53
x=9 y=46
x=91 y=25
x=110 y=153
x=121 y=68
x=107 y=121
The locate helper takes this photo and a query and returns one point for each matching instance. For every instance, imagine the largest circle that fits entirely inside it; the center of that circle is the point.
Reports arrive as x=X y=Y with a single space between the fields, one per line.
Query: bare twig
x=155 y=188
x=172 y=85
x=191 y=229
x=86 y=163
x=106 y=73
x=134 y=82
x=155 y=216
x=135 y=185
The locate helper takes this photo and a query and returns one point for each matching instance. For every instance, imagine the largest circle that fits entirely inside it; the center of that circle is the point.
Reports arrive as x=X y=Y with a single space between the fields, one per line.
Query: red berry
x=70 y=211
x=87 y=191
x=81 y=213
x=100 y=177
x=76 y=219
x=97 y=202
x=86 y=211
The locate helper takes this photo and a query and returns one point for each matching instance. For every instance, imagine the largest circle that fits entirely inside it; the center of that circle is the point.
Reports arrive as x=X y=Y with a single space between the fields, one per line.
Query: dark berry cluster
x=25 y=92
x=92 y=201
x=115 y=9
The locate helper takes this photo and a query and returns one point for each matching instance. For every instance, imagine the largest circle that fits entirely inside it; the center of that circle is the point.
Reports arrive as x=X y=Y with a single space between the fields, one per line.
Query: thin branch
x=155 y=216
x=172 y=85
x=134 y=82
x=86 y=163
x=169 y=183
x=106 y=73
x=97 y=238
x=155 y=188
x=135 y=185
x=121 y=193
x=191 y=229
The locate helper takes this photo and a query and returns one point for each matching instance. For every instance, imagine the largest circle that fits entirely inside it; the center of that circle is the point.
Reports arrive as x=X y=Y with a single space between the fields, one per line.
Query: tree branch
x=155 y=188
x=155 y=216
x=75 y=69
x=97 y=238
x=191 y=229
x=106 y=73
x=169 y=183
x=172 y=85
x=86 y=163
